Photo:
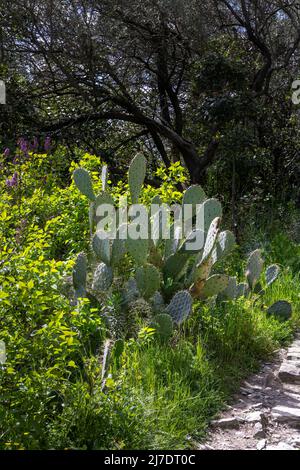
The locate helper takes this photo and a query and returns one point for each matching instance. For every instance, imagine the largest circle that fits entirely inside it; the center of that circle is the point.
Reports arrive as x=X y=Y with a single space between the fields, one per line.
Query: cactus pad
x=230 y=292
x=103 y=278
x=148 y=280
x=136 y=176
x=242 y=290
x=214 y=285
x=101 y=246
x=180 y=306
x=254 y=268
x=138 y=249
x=83 y=182
x=272 y=273
x=281 y=309
x=208 y=211
x=79 y=275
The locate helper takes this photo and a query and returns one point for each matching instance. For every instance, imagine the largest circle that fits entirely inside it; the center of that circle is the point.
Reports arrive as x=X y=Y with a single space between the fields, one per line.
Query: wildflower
x=13 y=181
x=6 y=152
x=23 y=144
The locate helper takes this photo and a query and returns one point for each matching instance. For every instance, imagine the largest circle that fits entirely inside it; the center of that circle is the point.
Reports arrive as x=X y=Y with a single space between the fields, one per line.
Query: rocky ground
x=265 y=414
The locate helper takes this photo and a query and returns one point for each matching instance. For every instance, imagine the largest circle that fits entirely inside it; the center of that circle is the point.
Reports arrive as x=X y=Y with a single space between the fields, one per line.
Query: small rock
x=259 y=433
x=293 y=356
x=286 y=414
x=289 y=372
x=256 y=406
x=226 y=423
x=261 y=444
x=245 y=391
x=254 y=417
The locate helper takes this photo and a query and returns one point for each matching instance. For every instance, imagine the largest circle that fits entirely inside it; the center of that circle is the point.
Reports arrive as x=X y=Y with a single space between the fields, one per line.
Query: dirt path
x=265 y=414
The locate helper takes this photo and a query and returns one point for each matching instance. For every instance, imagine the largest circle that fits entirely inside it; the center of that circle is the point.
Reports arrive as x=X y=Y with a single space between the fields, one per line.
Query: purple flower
x=6 y=152
x=23 y=144
x=47 y=144
x=13 y=181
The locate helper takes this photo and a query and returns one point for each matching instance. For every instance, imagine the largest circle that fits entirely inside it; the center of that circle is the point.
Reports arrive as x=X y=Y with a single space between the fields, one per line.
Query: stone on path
x=259 y=432
x=289 y=372
x=286 y=414
x=226 y=423
x=261 y=444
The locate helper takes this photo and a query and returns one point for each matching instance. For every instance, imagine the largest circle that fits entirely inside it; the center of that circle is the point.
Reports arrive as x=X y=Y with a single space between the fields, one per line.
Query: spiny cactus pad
x=157 y=303
x=136 y=176
x=242 y=290
x=102 y=199
x=281 y=309
x=118 y=251
x=214 y=285
x=79 y=275
x=131 y=292
x=138 y=249
x=229 y=293
x=194 y=195
x=254 y=268
x=211 y=238
x=175 y=265
x=103 y=277
x=180 y=306
x=101 y=246
x=148 y=280
x=83 y=182
x=272 y=273
x=225 y=243
x=208 y=211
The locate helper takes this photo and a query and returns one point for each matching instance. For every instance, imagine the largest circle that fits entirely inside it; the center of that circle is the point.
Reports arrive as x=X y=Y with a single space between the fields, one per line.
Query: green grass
x=183 y=387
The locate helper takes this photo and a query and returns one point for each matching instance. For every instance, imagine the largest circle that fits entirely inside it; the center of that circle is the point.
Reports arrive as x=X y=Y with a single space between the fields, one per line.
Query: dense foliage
x=57 y=391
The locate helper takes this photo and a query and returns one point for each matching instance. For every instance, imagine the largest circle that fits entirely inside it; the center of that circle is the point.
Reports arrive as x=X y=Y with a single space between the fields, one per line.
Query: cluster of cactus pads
x=167 y=275
x=252 y=285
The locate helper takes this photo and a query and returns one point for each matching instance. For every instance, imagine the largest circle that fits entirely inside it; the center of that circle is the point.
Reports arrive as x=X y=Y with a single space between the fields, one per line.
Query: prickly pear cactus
x=101 y=246
x=157 y=303
x=138 y=249
x=103 y=277
x=136 y=176
x=272 y=273
x=79 y=275
x=83 y=182
x=242 y=290
x=209 y=210
x=254 y=268
x=193 y=196
x=225 y=243
x=214 y=285
x=281 y=310
x=148 y=280
x=230 y=292
x=130 y=292
x=180 y=306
